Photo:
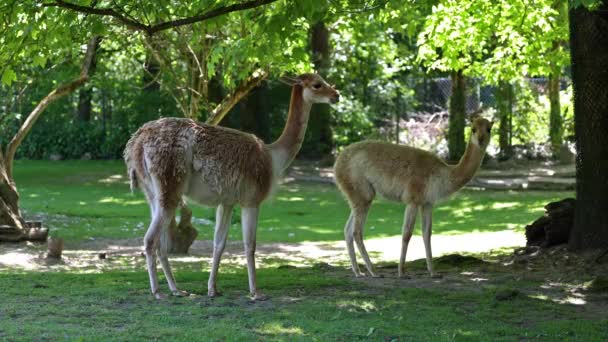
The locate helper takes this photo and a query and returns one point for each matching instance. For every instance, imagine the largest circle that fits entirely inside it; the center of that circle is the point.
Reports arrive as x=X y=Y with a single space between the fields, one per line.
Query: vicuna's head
x=481 y=130
x=315 y=89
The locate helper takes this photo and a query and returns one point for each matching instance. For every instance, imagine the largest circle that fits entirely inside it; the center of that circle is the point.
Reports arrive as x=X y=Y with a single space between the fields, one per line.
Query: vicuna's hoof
x=212 y=293
x=160 y=296
x=179 y=293
x=258 y=297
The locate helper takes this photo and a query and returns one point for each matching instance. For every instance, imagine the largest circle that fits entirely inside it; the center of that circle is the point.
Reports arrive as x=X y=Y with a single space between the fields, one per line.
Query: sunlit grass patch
x=90 y=199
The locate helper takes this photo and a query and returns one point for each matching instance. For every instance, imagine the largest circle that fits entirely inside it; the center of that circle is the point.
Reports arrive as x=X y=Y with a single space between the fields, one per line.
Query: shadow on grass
x=305 y=302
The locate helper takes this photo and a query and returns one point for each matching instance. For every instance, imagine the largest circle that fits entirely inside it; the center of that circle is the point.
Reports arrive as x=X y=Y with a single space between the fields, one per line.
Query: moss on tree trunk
x=457 y=113
x=555 y=113
x=504 y=100
x=319 y=136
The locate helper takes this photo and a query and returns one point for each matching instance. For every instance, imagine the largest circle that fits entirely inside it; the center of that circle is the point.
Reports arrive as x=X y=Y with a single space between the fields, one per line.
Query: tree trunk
x=320 y=137
x=504 y=96
x=13 y=227
x=555 y=113
x=9 y=201
x=85 y=95
x=589 y=54
x=84 y=104
x=151 y=74
x=457 y=113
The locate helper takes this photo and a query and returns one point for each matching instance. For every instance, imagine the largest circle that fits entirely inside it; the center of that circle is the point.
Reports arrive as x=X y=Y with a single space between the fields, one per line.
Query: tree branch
x=210 y=14
x=152 y=29
x=57 y=93
x=99 y=11
x=229 y=101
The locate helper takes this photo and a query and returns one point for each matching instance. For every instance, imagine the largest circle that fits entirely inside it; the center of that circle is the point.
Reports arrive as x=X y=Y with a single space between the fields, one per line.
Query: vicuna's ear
x=474 y=115
x=491 y=124
x=289 y=80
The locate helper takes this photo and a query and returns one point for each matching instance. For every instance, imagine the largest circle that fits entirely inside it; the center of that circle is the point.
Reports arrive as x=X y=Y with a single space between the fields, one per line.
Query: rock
x=86 y=156
x=55 y=157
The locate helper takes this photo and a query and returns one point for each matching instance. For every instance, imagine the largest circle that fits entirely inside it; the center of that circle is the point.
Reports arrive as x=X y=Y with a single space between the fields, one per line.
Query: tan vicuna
x=403 y=174
x=172 y=158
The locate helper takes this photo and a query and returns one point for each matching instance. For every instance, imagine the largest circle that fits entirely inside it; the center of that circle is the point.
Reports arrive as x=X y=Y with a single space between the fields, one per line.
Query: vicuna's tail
x=133 y=180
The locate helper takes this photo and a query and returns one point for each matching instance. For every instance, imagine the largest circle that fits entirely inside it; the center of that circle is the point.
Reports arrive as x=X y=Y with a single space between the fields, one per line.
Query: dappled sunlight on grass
x=90 y=199
x=278 y=328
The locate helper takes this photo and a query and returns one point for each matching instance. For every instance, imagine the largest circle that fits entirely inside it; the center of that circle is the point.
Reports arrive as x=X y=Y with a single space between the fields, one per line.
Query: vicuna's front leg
x=223 y=216
x=249 y=221
x=427 y=224
x=409 y=221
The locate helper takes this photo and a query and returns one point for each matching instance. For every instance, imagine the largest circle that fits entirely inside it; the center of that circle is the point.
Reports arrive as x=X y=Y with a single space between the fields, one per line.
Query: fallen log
x=33 y=231
x=554 y=227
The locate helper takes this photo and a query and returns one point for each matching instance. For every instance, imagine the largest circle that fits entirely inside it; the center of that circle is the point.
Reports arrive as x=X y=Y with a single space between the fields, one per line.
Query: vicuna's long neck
x=462 y=173
x=285 y=148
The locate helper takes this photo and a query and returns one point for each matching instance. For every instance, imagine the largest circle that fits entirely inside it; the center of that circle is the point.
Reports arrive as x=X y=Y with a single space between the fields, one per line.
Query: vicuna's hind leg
x=163 y=253
x=409 y=222
x=349 y=236
x=222 y=223
x=161 y=218
x=360 y=216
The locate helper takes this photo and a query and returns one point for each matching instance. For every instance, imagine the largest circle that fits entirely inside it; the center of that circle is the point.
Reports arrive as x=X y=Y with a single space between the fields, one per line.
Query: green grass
x=91 y=199
x=304 y=304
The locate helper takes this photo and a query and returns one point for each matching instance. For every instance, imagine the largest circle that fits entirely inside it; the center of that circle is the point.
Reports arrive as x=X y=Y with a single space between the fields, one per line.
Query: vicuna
x=403 y=174
x=172 y=158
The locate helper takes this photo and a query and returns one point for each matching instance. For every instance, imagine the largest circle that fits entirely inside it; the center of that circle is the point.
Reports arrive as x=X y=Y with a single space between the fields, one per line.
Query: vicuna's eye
x=474 y=130
x=489 y=129
x=316 y=85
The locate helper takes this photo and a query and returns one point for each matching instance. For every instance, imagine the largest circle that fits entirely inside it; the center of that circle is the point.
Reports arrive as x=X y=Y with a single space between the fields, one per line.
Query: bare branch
x=148 y=41
x=152 y=29
x=57 y=93
x=229 y=101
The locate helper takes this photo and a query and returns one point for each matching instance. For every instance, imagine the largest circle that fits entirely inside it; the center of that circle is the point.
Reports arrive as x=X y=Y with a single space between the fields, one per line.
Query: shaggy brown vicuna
x=172 y=158
x=403 y=174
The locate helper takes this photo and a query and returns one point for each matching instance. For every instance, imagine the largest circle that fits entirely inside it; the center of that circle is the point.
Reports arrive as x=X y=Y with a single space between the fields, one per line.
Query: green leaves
x=8 y=76
x=498 y=40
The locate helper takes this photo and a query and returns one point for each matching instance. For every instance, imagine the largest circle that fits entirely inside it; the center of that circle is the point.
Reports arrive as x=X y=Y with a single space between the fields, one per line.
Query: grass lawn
x=91 y=199
x=304 y=304
x=81 y=200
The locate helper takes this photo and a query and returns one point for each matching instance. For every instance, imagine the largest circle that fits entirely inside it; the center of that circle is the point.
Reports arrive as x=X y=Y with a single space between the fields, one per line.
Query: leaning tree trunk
x=9 y=201
x=12 y=225
x=457 y=113
x=589 y=53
